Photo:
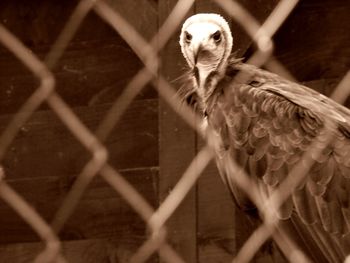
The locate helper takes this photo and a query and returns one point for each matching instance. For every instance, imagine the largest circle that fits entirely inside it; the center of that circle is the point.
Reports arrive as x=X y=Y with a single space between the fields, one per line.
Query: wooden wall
x=95 y=67
x=45 y=158
x=151 y=145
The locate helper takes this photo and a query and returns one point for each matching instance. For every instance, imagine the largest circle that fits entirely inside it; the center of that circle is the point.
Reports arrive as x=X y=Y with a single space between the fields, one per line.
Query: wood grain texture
x=141 y=14
x=95 y=67
x=38 y=22
x=222 y=227
x=101 y=213
x=44 y=159
x=314 y=42
x=44 y=146
x=82 y=251
x=89 y=73
x=216 y=219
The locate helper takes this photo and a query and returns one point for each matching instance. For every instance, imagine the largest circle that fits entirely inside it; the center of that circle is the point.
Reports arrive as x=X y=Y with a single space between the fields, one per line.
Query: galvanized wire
x=148 y=52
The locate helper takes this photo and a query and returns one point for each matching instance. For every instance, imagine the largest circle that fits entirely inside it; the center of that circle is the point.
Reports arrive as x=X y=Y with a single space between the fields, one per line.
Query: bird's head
x=206 y=43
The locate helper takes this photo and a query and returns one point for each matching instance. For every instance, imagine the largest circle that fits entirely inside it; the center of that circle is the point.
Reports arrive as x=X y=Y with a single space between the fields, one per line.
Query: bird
x=266 y=124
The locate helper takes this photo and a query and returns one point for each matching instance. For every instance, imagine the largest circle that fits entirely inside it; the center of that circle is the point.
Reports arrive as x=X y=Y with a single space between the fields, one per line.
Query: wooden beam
x=44 y=159
x=101 y=213
x=142 y=14
x=322 y=48
x=81 y=251
x=216 y=219
x=95 y=67
x=89 y=73
x=44 y=146
x=177 y=149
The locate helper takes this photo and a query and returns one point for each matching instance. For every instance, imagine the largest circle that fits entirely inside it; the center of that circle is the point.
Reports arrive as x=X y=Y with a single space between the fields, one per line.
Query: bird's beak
x=196 y=51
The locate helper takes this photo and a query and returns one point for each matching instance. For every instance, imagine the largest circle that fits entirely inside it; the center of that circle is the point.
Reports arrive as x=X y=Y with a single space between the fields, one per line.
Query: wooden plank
x=82 y=251
x=95 y=67
x=44 y=156
x=38 y=22
x=314 y=42
x=142 y=14
x=177 y=149
x=260 y=10
x=25 y=19
x=222 y=227
x=89 y=73
x=101 y=213
x=216 y=219
x=44 y=146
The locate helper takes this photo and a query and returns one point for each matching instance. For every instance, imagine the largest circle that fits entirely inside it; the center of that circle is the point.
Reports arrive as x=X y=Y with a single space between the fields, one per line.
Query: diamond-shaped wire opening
x=86 y=138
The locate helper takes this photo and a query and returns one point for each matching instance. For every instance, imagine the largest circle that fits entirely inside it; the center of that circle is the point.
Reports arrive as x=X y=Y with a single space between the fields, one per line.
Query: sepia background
x=93 y=141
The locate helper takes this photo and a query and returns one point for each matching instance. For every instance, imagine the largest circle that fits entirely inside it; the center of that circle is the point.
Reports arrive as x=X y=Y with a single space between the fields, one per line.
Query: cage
x=150 y=146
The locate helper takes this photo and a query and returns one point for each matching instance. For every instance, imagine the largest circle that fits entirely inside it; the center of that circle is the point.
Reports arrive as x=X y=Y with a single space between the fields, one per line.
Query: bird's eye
x=188 y=37
x=217 y=36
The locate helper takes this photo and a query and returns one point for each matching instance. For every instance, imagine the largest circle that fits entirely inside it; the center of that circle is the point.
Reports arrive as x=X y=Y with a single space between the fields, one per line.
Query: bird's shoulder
x=268 y=123
x=260 y=88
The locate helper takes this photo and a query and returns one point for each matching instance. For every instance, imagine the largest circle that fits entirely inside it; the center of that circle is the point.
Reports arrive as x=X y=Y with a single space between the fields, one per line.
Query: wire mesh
x=148 y=52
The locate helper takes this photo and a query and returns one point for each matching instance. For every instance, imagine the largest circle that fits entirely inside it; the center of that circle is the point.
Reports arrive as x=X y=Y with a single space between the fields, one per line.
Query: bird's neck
x=205 y=80
x=202 y=77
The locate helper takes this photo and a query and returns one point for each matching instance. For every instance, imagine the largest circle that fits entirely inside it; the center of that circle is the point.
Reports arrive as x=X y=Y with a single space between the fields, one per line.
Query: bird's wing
x=268 y=124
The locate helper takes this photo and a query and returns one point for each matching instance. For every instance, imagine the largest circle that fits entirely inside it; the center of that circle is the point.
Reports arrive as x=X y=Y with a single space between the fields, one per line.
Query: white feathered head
x=206 y=39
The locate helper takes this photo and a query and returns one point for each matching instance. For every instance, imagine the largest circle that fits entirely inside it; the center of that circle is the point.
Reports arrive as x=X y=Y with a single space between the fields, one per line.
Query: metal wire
x=148 y=52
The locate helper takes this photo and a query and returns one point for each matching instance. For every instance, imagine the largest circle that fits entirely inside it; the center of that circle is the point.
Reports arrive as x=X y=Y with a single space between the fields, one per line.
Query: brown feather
x=305 y=206
x=268 y=126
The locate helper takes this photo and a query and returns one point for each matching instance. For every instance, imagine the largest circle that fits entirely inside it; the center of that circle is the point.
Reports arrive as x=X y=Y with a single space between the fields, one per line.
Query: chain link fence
x=148 y=52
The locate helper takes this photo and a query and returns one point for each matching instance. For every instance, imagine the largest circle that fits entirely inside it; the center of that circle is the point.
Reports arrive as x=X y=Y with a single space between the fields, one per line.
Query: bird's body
x=266 y=124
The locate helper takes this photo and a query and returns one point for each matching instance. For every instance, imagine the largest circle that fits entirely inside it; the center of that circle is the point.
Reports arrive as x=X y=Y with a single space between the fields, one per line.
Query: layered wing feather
x=267 y=124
